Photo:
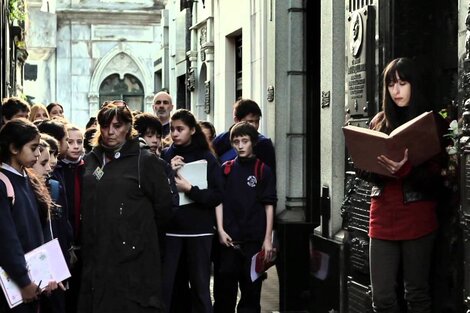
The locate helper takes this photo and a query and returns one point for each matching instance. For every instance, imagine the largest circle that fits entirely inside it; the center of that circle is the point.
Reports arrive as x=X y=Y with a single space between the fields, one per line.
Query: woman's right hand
x=177 y=162
x=30 y=292
x=225 y=239
x=391 y=166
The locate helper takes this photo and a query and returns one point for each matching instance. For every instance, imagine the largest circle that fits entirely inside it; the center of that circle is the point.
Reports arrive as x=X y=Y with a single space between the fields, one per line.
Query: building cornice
x=107 y=16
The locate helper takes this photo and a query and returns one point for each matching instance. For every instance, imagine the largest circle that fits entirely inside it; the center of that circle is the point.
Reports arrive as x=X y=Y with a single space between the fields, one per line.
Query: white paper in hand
x=196 y=174
x=45 y=263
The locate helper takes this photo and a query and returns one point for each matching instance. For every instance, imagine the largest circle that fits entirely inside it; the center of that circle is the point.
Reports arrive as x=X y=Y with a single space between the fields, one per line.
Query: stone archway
x=120 y=60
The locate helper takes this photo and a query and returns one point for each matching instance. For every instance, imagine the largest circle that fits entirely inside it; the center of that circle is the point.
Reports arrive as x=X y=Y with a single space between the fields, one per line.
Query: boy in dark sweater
x=246 y=110
x=244 y=223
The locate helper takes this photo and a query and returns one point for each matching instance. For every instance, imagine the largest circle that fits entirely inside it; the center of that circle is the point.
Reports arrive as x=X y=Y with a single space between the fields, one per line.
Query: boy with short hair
x=244 y=223
x=249 y=111
x=150 y=129
x=14 y=107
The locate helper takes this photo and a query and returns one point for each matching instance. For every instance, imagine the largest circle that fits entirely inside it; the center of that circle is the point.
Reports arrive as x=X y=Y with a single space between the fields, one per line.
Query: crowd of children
x=217 y=231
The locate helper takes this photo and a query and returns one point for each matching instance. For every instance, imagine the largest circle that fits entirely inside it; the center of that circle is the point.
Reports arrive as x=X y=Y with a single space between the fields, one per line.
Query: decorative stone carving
x=191 y=80
x=207 y=97
x=203 y=38
x=270 y=93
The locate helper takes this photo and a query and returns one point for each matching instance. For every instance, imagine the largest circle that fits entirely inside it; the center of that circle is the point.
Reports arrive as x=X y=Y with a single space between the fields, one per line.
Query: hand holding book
x=419 y=136
x=390 y=165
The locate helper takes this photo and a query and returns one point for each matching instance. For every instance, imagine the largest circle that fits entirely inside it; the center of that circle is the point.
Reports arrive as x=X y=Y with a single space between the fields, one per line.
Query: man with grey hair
x=162 y=107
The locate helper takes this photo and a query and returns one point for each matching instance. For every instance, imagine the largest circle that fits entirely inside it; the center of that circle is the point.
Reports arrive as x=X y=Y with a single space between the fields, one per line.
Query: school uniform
x=21 y=230
x=244 y=220
x=191 y=231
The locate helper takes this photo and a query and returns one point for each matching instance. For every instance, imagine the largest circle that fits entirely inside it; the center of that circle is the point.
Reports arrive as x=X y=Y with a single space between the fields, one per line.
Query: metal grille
x=359 y=297
x=356 y=207
x=359 y=254
x=357 y=4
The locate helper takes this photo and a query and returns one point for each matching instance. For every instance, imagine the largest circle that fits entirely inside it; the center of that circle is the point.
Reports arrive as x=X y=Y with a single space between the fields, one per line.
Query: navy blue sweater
x=264 y=149
x=244 y=214
x=197 y=217
x=21 y=229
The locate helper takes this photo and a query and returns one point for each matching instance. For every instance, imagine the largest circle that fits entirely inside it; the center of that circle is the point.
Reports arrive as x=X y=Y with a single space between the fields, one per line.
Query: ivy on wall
x=17 y=11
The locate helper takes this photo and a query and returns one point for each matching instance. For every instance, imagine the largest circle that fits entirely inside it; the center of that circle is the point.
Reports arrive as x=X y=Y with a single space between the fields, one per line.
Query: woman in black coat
x=125 y=199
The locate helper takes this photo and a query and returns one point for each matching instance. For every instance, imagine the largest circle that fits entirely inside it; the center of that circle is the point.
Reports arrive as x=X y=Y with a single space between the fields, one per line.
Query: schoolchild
x=14 y=107
x=55 y=303
x=42 y=167
x=38 y=112
x=249 y=111
x=192 y=228
x=150 y=129
x=24 y=222
x=208 y=129
x=403 y=220
x=66 y=226
x=55 y=110
x=244 y=223
x=70 y=170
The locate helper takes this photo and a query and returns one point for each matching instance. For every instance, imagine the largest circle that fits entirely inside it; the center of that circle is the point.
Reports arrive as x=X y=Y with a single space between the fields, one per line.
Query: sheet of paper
x=253 y=274
x=196 y=173
x=45 y=263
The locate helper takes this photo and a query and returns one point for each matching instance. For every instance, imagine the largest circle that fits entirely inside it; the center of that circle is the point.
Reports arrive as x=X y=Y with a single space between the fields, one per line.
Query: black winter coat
x=120 y=213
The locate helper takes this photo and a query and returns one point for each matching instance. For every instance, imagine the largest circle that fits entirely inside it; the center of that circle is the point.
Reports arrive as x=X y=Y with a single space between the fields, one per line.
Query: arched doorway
x=129 y=89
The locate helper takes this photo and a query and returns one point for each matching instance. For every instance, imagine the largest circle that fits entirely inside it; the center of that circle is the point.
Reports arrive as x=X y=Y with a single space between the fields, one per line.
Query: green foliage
x=17 y=10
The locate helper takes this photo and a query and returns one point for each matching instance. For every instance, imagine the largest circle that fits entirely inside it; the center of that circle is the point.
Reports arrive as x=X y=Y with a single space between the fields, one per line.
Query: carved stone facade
x=95 y=39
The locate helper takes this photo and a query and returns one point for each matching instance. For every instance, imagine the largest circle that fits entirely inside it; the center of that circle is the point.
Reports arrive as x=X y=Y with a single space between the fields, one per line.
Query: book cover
x=259 y=265
x=196 y=173
x=419 y=135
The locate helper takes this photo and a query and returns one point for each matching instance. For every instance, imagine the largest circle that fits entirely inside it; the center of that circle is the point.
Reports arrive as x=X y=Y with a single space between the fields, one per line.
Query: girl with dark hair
x=403 y=217
x=191 y=230
x=24 y=223
x=58 y=130
x=125 y=200
x=55 y=110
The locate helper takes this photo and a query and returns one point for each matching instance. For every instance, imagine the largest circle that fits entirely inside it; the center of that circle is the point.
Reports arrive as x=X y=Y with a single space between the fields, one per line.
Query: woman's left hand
x=182 y=184
x=268 y=250
x=390 y=165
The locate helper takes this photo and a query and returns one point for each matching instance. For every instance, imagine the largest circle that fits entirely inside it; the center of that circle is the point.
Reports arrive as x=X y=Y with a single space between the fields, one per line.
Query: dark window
x=128 y=89
x=30 y=71
x=181 y=93
x=238 y=67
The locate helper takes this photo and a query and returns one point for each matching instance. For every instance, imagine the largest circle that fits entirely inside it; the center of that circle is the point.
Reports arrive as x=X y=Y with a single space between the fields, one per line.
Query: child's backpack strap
x=228 y=166
x=55 y=189
x=259 y=168
x=9 y=187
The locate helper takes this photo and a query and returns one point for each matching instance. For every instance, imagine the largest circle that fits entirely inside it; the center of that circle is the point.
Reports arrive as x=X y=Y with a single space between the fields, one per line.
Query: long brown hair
x=19 y=132
x=406 y=70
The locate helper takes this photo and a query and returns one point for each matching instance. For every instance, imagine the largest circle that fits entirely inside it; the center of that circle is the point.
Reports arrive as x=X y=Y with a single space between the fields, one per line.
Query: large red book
x=419 y=135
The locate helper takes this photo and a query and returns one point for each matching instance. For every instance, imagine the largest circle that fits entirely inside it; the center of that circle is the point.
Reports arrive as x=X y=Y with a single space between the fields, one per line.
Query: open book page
x=196 y=173
x=45 y=263
x=419 y=135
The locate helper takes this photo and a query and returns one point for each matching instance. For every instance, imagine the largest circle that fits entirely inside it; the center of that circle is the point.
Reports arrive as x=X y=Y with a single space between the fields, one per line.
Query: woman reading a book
x=125 y=200
x=403 y=218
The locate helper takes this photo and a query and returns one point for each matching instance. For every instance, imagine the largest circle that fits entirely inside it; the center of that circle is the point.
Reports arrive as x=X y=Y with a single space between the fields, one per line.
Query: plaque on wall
x=360 y=61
